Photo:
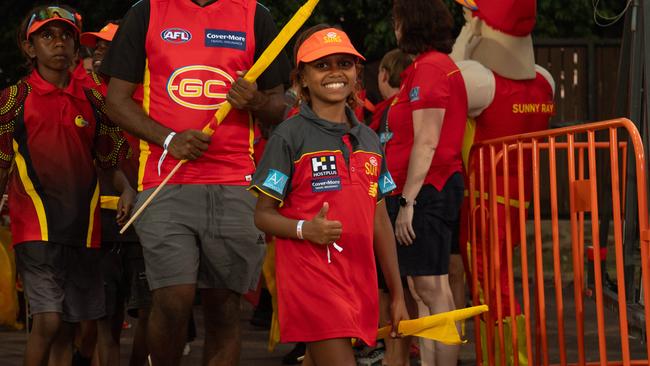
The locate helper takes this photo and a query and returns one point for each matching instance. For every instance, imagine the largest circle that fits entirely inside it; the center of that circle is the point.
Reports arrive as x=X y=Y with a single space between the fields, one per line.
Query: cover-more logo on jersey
x=176 y=35
x=199 y=87
x=323 y=166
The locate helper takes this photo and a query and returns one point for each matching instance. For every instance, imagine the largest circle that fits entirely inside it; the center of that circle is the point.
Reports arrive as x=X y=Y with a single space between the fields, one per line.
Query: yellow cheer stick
x=439 y=327
x=267 y=57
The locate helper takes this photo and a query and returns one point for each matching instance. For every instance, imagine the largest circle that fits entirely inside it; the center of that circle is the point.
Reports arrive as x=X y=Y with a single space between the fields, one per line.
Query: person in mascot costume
x=494 y=52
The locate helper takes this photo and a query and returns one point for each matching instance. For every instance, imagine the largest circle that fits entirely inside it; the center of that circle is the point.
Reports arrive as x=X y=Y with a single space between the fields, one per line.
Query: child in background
x=391 y=67
x=322 y=183
x=54 y=132
x=389 y=78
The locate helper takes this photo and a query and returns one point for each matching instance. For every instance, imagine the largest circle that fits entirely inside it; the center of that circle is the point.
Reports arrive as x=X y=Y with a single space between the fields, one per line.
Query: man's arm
x=126 y=113
x=266 y=105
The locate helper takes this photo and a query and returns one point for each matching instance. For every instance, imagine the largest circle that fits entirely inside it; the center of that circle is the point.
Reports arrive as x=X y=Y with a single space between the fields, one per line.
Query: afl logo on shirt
x=199 y=87
x=323 y=166
x=176 y=35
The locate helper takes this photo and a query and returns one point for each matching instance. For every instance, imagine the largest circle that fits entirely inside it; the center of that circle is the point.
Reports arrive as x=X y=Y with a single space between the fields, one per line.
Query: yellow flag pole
x=267 y=57
x=439 y=327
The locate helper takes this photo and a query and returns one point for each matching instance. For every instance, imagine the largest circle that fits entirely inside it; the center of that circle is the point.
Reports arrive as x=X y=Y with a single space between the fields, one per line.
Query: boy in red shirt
x=54 y=132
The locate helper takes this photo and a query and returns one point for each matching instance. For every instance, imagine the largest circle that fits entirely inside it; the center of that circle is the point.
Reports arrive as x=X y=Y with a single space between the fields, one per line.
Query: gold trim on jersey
x=146 y=104
x=31 y=192
x=255 y=190
x=251 y=137
x=91 y=219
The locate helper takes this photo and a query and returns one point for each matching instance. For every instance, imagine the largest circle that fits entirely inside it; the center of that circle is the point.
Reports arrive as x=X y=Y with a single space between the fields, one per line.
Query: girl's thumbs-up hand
x=320 y=230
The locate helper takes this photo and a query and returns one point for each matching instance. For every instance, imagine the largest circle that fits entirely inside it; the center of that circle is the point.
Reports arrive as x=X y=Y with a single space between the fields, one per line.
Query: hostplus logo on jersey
x=323 y=166
x=176 y=35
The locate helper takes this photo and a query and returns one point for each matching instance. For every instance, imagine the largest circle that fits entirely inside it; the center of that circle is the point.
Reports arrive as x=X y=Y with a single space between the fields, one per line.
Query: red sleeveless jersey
x=193 y=54
x=519 y=106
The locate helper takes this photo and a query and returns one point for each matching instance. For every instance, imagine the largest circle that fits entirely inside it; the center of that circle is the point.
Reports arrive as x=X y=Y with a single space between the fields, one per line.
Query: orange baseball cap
x=326 y=42
x=89 y=39
x=53 y=13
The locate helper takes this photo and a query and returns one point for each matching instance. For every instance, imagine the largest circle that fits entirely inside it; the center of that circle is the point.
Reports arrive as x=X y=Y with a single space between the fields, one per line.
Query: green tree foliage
x=12 y=64
x=368 y=22
x=575 y=19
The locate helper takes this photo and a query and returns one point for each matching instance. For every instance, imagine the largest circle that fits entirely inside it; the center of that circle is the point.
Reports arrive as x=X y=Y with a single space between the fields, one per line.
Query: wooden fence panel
x=568 y=61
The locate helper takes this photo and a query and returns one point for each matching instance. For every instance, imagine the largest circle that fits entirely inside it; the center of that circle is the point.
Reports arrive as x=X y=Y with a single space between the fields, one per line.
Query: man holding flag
x=190 y=56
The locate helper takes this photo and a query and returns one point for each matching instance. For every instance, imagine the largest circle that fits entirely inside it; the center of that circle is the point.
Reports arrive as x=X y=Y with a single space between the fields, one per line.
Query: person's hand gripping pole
x=267 y=57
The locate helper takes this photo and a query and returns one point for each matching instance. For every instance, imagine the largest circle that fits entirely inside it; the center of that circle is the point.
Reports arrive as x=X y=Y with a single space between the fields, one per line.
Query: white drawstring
x=338 y=249
x=168 y=140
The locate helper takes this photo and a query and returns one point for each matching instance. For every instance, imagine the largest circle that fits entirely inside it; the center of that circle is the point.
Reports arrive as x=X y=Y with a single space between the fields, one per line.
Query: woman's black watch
x=404 y=202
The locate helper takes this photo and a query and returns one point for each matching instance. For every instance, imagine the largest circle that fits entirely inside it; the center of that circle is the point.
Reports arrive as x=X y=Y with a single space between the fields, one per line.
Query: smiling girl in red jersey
x=322 y=180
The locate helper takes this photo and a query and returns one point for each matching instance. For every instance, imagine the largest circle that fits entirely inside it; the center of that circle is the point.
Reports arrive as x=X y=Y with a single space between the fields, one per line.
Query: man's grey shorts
x=62 y=279
x=201 y=234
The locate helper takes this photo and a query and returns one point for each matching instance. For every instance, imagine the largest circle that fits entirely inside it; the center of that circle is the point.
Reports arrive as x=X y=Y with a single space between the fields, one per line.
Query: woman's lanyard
x=384 y=132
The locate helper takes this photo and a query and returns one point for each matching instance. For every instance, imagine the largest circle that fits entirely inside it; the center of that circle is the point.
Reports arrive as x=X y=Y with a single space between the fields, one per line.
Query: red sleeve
x=429 y=88
x=12 y=101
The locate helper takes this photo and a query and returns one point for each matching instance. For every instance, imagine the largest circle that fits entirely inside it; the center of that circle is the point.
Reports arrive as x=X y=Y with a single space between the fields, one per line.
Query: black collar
x=206 y=4
x=339 y=129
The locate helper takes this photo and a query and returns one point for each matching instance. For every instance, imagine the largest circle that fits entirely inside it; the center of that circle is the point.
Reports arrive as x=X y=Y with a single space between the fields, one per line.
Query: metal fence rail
x=538 y=274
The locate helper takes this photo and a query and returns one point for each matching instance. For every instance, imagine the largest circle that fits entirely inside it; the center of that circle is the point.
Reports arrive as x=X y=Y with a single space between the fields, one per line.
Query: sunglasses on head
x=52 y=12
x=470 y=5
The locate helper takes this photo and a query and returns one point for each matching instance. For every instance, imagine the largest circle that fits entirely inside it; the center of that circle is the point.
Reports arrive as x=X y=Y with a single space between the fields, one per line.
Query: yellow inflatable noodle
x=439 y=327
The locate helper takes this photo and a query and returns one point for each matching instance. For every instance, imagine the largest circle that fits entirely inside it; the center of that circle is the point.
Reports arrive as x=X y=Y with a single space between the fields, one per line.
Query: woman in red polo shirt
x=427 y=122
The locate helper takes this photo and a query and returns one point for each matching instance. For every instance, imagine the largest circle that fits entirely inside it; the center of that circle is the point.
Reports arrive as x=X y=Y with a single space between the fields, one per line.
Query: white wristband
x=299 y=229
x=168 y=139
x=166 y=143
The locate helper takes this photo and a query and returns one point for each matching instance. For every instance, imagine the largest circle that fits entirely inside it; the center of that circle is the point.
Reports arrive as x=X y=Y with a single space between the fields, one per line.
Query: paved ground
x=254 y=352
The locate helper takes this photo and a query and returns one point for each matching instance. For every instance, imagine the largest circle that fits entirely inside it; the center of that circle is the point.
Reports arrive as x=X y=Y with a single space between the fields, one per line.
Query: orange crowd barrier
x=567 y=321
